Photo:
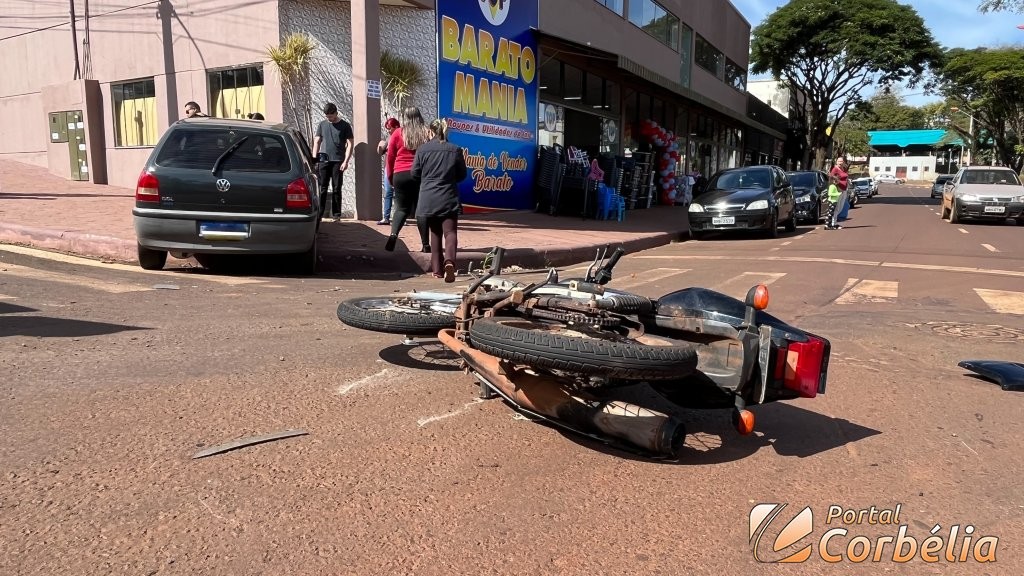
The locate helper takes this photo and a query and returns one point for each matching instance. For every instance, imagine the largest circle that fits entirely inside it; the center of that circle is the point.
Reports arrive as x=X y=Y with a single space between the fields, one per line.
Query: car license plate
x=224 y=230
x=995 y=209
x=722 y=220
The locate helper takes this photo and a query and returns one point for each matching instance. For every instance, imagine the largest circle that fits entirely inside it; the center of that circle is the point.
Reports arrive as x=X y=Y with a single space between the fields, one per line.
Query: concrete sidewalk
x=41 y=210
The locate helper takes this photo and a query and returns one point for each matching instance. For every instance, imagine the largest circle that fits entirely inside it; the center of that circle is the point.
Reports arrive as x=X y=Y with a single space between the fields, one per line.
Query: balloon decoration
x=666 y=158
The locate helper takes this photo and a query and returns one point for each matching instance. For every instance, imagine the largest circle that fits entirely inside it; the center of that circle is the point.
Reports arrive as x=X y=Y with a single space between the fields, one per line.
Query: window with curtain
x=237 y=92
x=654 y=19
x=134 y=113
x=708 y=57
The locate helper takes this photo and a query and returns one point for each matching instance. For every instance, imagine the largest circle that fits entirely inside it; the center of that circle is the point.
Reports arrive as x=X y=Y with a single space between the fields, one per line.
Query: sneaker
x=384 y=223
x=390 y=244
x=426 y=249
x=838 y=228
x=449 y=272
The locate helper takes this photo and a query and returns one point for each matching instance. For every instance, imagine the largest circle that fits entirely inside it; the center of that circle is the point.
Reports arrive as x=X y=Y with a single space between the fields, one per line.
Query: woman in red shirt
x=402 y=147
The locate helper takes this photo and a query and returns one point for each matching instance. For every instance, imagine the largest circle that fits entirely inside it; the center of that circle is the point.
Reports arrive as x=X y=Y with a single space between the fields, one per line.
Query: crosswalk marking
x=6 y=297
x=737 y=286
x=857 y=291
x=648 y=277
x=990 y=248
x=84 y=281
x=1002 y=301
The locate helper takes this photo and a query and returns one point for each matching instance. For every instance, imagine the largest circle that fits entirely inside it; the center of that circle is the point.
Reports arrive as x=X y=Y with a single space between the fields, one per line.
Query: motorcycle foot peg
x=743 y=421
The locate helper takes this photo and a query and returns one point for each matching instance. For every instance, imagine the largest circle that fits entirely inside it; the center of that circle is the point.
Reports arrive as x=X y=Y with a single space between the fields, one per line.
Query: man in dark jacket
x=440 y=167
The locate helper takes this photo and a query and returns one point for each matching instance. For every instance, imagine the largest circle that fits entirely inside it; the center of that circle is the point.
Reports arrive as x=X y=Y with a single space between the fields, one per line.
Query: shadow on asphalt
x=8 y=308
x=899 y=200
x=735 y=235
x=49 y=327
x=44 y=196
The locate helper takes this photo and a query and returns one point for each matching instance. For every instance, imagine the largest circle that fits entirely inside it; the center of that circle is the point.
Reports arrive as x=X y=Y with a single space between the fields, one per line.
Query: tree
x=401 y=75
x=831 y=51
x=988 y=84
x=1001 y=6
x=291 y=59
x=886 y=111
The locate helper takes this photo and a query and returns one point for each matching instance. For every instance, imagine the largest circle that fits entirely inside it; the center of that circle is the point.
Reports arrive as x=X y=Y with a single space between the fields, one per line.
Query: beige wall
x=175 y=47
x=717 y=20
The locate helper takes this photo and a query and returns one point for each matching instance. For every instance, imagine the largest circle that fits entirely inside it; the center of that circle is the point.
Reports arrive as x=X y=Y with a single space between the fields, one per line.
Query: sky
x=954 y=23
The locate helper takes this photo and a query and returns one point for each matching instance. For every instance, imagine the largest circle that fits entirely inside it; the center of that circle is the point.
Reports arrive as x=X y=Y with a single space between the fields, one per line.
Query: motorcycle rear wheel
x=582 y=350
x=415 y=314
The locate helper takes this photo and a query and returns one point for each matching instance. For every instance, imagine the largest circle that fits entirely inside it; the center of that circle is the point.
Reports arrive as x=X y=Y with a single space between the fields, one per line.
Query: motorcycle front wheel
x=554 y=345
x=414 y=314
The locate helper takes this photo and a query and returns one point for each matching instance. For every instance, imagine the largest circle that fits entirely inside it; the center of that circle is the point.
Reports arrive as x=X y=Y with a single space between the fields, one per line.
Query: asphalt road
x=114 y=377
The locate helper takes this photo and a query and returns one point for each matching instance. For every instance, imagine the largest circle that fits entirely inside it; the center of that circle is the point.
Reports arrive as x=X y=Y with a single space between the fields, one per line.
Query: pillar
x=366 y=118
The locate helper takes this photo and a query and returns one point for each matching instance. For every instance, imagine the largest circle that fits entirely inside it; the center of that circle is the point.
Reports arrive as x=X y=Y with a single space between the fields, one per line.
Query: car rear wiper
x=231 y=149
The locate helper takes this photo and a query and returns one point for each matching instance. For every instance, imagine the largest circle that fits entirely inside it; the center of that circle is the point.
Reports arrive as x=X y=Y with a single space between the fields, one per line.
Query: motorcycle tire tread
x=391 y=321
x=612 y=359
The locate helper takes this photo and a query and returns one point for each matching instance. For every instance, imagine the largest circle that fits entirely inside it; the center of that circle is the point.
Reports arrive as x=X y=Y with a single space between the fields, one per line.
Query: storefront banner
x=487 y=89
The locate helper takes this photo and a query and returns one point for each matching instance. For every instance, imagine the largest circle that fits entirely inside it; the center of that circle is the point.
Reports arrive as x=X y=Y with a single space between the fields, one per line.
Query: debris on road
x=1009 y=375
x=165 y=287
x=243 y=442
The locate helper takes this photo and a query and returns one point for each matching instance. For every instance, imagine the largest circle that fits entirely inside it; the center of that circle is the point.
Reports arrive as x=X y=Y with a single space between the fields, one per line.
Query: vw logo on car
x=223 y=185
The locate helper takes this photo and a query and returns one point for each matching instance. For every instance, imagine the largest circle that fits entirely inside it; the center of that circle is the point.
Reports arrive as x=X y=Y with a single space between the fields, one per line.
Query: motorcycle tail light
x=807 y=366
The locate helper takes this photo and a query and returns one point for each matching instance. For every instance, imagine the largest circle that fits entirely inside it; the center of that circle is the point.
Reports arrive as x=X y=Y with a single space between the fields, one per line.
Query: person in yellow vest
x=835 y=195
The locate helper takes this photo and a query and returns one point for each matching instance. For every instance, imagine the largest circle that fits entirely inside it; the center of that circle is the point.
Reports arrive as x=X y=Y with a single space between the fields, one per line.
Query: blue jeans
x=389 y=194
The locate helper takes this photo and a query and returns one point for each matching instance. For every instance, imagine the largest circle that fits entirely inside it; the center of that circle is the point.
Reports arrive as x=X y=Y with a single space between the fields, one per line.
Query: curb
x=81 y=243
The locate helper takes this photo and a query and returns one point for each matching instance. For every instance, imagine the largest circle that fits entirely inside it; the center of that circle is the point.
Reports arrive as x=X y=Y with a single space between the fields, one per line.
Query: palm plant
x=400 y=76
x=291 y=58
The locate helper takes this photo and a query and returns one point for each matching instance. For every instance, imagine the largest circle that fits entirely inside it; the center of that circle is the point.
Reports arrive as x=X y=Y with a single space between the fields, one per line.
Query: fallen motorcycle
x=562 y=350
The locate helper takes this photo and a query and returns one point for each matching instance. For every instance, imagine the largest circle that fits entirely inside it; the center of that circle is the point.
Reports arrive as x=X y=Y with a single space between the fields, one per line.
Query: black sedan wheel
x=773 y=230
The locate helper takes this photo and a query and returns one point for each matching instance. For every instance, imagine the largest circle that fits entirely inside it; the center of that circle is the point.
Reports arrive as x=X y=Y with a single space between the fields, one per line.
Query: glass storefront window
x=644 y=106
x=593 y=96
x=631 y=117
x=550 y=79
x=573 y=89
x=658 y=112
x=611 y=98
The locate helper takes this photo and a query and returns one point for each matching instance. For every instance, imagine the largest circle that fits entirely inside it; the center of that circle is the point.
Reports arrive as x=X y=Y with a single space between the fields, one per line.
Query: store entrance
x=583 y=131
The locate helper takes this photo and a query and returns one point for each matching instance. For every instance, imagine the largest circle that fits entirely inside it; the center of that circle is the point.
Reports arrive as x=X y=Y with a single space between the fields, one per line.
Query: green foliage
x=291 y=59
x=400 y=75
x=1001 y=5
x=886 y=111
x=830 y=51
x=988 y=84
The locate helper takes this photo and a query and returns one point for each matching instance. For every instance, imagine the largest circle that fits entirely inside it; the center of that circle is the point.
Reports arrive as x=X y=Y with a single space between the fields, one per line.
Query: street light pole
x=970 y=131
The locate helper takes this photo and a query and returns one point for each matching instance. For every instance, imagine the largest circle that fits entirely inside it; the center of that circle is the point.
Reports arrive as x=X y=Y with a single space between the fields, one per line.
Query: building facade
x=89 y=101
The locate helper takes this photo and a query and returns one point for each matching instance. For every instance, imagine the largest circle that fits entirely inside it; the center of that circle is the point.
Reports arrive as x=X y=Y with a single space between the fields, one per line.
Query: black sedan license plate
x=224 y=230
x=723 y=220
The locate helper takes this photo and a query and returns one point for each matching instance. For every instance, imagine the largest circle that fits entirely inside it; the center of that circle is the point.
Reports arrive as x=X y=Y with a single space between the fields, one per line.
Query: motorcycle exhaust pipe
x=641 y=427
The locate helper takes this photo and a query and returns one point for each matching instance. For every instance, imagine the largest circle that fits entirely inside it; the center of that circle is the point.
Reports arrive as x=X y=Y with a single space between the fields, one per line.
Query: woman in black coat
x=439 y=167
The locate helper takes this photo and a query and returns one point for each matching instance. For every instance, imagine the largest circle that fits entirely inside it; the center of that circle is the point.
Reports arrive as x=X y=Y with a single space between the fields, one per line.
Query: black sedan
x=810 y=188
x=748 y=198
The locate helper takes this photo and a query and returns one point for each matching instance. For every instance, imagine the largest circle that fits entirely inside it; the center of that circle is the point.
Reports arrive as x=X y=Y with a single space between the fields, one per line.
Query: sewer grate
x=992 y=332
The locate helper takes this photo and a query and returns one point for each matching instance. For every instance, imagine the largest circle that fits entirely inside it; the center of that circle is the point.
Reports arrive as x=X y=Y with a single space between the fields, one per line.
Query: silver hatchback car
x=984 y=192
x=217 y=186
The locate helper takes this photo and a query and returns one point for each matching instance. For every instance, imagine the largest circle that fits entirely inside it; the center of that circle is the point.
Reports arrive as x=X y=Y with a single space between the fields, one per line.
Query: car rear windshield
x=804 y=180
x=1007 y=177
x=200 y=148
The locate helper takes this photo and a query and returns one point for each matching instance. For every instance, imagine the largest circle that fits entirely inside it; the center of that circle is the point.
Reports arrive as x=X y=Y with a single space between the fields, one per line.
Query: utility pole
x=74 y=41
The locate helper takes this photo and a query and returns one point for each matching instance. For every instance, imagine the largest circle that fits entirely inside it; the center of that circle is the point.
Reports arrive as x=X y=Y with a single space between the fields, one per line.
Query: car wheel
x=954 y=215
x=151 y=259
x=308 y=260
x=773 y=231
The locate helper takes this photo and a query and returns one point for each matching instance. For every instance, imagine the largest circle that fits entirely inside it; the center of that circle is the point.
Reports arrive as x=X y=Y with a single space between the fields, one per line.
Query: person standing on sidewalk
x=389 y=191
x=439 y=167
x=402 y=145
x=333 y=146
x=835 y=196
x=842 y=181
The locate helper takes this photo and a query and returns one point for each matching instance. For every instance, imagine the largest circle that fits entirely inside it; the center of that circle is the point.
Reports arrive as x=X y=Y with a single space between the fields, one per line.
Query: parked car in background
x=888 y=179
x=864 y=187
x=748 y=198
x=985 y=192
x=219 y=186
x=940 y=184
x=810 y=188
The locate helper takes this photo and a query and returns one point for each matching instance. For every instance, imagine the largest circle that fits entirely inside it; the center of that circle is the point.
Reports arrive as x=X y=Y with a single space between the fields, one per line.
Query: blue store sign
x=487 y=89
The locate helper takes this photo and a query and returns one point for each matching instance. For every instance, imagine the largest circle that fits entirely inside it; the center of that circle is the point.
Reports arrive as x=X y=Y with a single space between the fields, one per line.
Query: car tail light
x=807 y=366
x=148 y=188
x=297 y=195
